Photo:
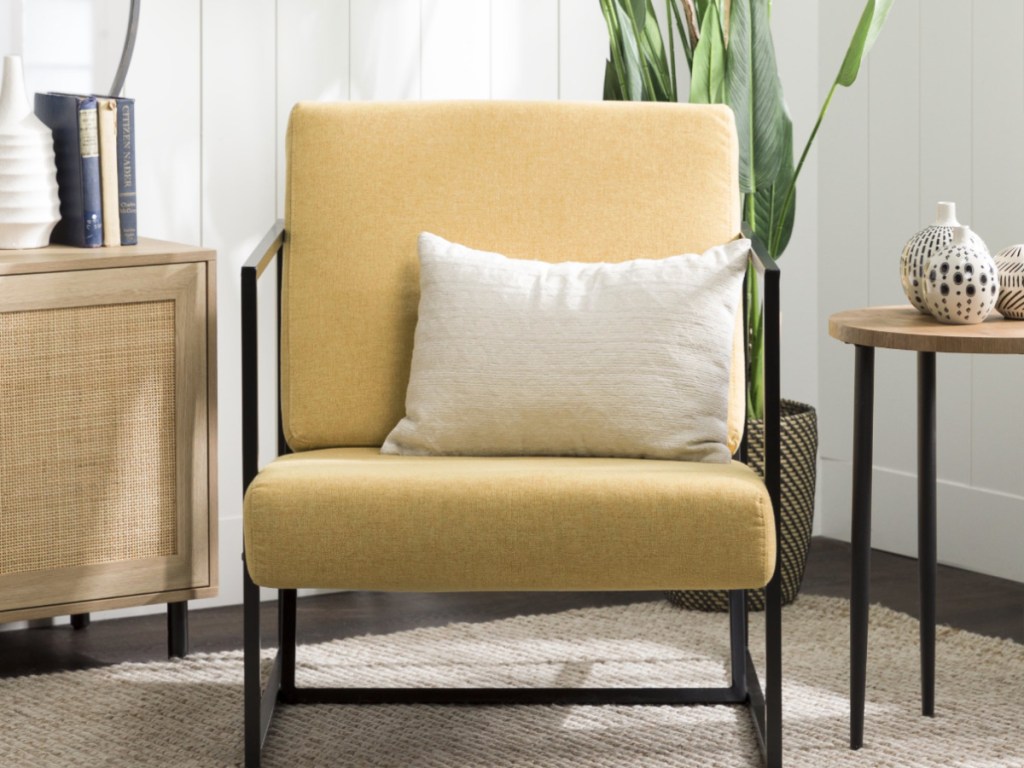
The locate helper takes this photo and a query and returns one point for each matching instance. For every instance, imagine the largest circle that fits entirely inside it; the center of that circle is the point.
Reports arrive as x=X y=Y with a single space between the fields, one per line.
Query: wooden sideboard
x=107 y=431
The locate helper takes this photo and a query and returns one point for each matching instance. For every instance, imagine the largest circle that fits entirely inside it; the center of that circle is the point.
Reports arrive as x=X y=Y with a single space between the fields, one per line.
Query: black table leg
x=863 y=434
x=926 y=526
x=177 y=629
x=79 y=620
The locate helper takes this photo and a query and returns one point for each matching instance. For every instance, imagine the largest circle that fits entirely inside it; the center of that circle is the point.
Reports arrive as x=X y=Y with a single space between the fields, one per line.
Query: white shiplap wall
x=937 y=115
x=215 y=81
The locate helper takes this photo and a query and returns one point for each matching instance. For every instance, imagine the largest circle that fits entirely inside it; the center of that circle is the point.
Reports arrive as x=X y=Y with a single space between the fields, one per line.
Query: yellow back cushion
x=556 y=181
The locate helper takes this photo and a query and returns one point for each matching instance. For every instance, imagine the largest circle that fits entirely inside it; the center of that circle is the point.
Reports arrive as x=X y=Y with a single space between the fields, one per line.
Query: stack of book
x=94 y=142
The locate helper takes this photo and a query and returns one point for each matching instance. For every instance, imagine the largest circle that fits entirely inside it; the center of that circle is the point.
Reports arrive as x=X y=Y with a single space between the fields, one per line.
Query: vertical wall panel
x=524 y=49
x=312 y=62
x=843 y=253
x=795 y=50
x=239 y=204
x=168 y=120
x=945 y=151
x=583 y=49
x=997 y=106
x=384 y=41
x=456 y=58
x=843 y=237
x=893 y=209
x=10 y=28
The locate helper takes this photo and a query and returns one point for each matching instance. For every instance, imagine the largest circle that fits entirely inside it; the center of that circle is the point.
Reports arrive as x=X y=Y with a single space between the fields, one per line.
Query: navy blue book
x=126 y=183
x=76 y=145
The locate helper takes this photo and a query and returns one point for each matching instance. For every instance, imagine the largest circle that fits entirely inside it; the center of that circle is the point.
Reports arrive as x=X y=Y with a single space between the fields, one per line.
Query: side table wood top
x=903 y=327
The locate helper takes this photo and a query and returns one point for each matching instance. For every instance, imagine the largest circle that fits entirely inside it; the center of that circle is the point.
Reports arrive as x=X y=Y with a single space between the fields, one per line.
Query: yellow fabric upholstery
x=552 y=181
x=350 y=518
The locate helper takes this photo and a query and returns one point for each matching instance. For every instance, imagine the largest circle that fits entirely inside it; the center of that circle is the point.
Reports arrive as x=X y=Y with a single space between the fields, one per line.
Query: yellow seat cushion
x=351 y=518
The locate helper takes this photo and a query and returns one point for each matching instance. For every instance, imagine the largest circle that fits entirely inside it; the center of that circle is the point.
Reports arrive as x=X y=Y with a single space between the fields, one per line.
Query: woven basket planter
x=799 y=437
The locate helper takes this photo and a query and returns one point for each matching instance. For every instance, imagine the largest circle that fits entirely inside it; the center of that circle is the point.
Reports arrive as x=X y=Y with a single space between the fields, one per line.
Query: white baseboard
x=978 y=529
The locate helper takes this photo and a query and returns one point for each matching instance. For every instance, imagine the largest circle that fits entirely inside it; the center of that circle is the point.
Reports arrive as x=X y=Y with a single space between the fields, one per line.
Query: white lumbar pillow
x=517 y=357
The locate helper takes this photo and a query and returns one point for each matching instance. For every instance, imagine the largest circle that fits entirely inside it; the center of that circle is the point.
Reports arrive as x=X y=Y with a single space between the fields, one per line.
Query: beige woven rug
x=188 y=713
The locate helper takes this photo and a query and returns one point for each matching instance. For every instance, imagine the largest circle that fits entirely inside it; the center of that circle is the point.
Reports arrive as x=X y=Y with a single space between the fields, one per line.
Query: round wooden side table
x=903 y=327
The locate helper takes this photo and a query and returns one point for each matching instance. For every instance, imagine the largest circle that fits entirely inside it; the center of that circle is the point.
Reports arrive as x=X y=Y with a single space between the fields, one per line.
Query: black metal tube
x=738 y=640
x=252 y=692
x=253 y=698
x=863 y=436
x=287 y=610
x=773 y=481
x=126 y=51
x=927 y=555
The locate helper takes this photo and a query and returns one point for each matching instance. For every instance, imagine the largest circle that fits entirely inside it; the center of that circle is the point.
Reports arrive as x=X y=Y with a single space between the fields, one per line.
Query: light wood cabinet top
x=64 y=258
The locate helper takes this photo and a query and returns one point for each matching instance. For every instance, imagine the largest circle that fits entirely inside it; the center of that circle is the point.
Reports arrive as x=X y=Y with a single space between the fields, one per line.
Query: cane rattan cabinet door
x=104 y=438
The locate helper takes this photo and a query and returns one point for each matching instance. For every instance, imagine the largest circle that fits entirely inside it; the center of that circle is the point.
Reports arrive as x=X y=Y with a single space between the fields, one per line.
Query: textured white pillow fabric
x=517 y=357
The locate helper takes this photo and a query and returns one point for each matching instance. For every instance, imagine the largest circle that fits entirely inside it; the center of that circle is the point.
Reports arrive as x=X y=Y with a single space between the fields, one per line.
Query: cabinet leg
x=79 y=620
x=177 y=629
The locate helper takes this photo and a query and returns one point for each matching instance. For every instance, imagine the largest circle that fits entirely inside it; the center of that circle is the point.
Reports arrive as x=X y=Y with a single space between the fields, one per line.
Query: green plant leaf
x=754 y=93
x=868 y=29
x=616 y=69
x=633 y=16
x=612 y=90
x=653 y=48
x=684 y=31
x=632 y=67
x=707 y=80
x=774 y=221
x=639 y=9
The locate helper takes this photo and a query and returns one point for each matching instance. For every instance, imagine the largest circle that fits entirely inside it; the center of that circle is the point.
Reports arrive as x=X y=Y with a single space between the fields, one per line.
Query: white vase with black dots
x=924 y=244
x=961 y=283
x=1010 y=266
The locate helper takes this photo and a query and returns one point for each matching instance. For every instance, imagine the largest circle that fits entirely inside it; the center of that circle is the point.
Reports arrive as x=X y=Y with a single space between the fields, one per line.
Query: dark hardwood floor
x=966 y=600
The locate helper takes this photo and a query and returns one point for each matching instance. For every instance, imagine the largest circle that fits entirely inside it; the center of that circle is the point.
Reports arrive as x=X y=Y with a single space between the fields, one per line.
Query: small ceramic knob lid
x=945 y=215
x=961 y=235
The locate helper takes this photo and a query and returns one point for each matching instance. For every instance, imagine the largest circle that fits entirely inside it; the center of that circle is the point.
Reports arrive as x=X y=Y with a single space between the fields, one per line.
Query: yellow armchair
x=545 y=181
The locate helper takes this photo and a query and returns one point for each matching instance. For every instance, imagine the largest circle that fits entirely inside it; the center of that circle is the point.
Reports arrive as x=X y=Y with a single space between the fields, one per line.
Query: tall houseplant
x=730 y=54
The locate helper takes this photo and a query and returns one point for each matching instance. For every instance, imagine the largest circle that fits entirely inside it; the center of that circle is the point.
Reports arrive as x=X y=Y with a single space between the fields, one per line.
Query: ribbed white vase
x=29 y=205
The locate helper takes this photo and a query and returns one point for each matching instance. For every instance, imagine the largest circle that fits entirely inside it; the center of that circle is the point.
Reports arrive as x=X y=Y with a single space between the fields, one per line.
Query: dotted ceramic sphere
x=917 y=250
x=1010 y=266
x=961 y=284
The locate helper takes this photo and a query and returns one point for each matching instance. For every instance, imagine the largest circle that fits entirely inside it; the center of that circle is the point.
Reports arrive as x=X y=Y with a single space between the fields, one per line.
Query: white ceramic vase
x=1010 y=266
x=29 y=205
x=922 y=245
x=961 y=284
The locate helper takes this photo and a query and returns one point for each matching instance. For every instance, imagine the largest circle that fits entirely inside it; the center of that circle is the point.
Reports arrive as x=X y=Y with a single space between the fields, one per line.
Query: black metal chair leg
x=773 y=670
x=738 y=639
x=863 y=423
x=177 y=629
x=927 y=553
x=252 y=686
x=287 y=609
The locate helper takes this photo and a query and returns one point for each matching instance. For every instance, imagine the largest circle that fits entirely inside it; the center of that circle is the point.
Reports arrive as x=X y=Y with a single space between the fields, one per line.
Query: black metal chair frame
x=765 y=706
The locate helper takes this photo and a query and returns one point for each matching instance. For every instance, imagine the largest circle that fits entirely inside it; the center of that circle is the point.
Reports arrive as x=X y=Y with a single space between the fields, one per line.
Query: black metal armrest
x=269 y=248
x=768 y=270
